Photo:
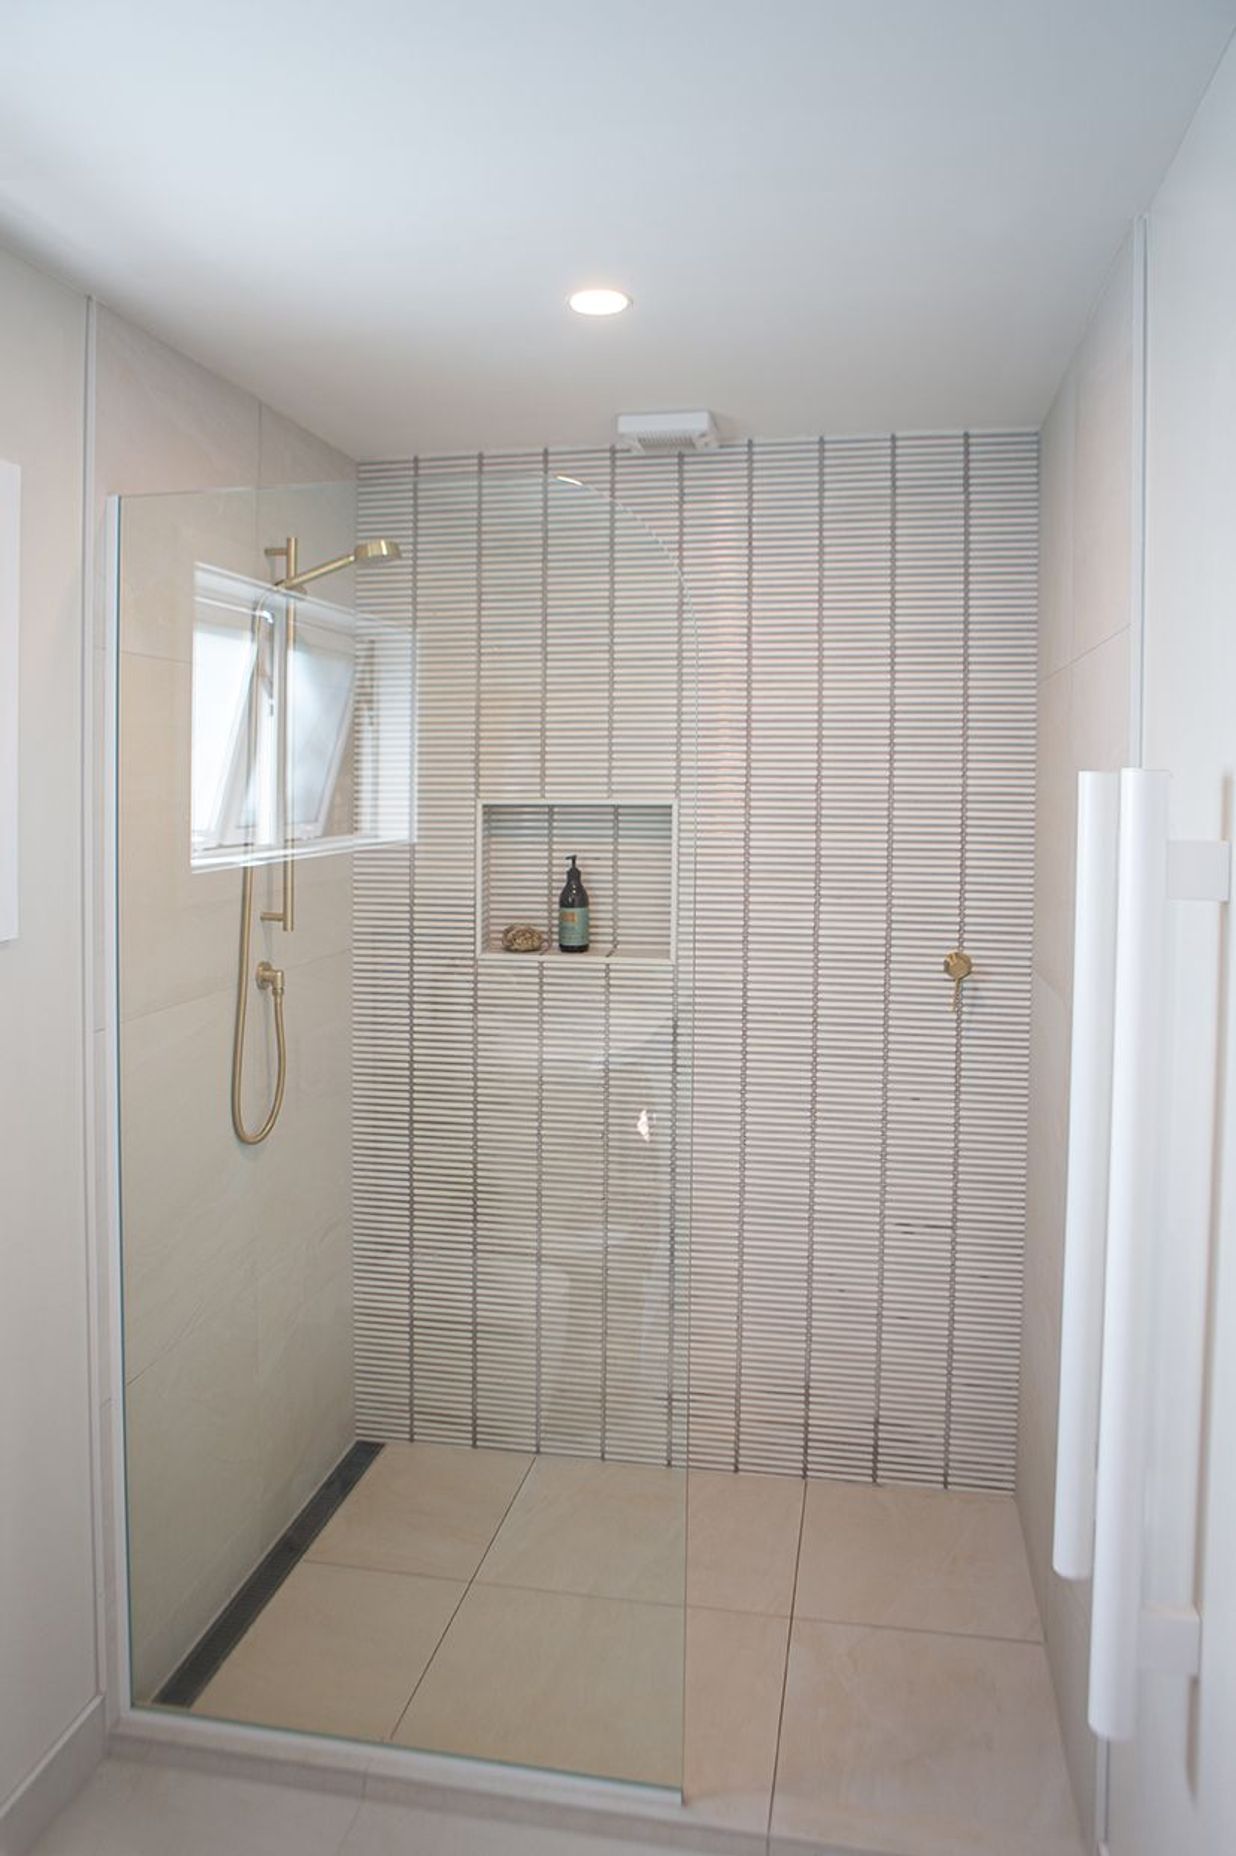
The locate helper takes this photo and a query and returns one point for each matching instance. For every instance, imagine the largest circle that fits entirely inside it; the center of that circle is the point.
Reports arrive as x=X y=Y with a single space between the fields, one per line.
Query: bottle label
x=572 y=927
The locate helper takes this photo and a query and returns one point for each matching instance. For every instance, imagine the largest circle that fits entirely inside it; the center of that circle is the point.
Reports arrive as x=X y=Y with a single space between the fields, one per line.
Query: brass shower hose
x=268 y=979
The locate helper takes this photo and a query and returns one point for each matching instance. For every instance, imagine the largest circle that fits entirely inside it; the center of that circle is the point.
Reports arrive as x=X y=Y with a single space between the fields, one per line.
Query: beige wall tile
x=303 y=1181
x=178 y=926
x=1056 y=517
x=204 y=1216
x=166 y=1636
x=1055 y=835
x=290 y=454
x=195 y=1475
x=163 y=540
x=191 y=1222
x=162 y=422
x=305 y=1371
x=207 y=1222
x=1099 y=711
x=1103 y=464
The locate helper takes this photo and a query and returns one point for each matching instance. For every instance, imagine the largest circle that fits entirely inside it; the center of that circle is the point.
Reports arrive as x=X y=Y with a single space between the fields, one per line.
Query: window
x=329 y=743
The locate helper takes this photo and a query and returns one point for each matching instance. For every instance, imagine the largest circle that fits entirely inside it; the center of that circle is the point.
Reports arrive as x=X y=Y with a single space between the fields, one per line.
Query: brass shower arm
x=294 y=583
x=379 y=550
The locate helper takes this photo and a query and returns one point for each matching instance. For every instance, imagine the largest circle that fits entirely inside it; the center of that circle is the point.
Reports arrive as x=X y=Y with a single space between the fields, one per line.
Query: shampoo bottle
x=573 y=914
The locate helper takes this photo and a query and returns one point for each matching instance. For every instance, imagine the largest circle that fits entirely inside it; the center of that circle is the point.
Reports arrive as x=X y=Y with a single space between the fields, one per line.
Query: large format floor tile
x=424 y=1508
x=742 y=1541
x=590 y=1685
x=915 y=1716
x=605 y=1530
x=915 y=1558
x=735 y=1674
x=925 y=1744
x=338 y=1650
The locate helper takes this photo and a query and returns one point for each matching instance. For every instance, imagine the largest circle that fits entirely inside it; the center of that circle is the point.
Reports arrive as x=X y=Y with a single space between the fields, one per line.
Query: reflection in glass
x=272 y=674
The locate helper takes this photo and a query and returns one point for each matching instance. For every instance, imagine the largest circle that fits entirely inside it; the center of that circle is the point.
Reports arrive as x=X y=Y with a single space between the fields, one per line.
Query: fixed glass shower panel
x=405 y=1188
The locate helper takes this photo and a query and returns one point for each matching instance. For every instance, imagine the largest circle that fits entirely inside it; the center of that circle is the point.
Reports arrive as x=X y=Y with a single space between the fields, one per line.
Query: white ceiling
x=833 y=215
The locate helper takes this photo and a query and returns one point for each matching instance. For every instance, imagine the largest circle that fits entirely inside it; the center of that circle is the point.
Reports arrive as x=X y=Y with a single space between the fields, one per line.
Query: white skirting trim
x=55 y=1781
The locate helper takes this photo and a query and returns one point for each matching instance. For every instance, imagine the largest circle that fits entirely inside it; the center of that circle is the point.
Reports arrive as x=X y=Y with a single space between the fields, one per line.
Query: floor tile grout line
x=672 y=1604
x=462 y=1596
x=612 y=1598
x=549 y=1591
x=921 y=1630
x=785 y=1670
x=600 y=1598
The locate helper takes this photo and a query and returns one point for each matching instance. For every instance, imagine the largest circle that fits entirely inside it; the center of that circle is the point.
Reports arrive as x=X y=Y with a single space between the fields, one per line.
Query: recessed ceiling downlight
x=599 y=302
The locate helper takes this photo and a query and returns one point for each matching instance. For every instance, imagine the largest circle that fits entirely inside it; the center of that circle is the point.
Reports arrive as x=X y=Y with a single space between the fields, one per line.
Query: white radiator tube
x=1085 y=1229
x=1137 y=1058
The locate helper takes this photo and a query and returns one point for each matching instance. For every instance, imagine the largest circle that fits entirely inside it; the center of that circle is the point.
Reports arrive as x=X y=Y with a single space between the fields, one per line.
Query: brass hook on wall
x=959 y=966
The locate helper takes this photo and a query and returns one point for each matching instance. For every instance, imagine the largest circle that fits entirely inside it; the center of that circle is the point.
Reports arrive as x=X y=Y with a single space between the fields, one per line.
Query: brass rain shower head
x=381 y=549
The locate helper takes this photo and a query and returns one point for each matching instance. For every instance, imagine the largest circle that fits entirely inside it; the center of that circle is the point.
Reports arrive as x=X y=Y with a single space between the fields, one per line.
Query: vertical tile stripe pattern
x=382 y=993
x=820 y=1227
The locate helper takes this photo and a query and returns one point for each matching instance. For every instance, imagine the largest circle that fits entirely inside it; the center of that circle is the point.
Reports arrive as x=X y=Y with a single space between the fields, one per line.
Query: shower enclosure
x=405 y=1215
x=413 y=1268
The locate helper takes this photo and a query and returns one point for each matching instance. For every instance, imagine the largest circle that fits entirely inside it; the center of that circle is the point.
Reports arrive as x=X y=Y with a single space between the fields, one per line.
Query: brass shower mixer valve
x=959 y=966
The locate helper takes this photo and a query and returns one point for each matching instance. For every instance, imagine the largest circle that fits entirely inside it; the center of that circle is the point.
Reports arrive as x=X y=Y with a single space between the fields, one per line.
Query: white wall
x=1174 y=1788
x=47 y=1621
x=1085 y=656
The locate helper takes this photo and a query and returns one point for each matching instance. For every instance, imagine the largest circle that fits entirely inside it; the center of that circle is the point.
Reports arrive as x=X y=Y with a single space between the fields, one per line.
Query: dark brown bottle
x=573 y=914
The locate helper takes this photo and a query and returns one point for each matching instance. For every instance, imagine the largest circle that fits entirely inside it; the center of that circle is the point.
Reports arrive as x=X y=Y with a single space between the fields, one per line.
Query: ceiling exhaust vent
x=655 y=433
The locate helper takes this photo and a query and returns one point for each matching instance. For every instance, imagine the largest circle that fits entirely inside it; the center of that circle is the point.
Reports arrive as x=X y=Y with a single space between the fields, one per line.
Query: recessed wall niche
x=626 y=855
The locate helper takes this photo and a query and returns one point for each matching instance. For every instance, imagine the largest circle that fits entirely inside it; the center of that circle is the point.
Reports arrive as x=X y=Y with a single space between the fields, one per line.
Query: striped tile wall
x=838 y=691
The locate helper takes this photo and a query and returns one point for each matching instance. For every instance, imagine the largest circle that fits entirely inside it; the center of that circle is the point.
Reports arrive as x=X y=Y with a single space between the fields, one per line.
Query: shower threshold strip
x=212 y=1649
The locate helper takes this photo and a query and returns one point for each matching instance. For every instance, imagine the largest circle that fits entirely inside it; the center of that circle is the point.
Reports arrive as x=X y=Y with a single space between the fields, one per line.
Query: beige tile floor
x=864 y=1666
